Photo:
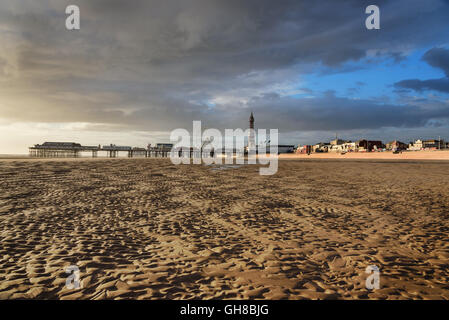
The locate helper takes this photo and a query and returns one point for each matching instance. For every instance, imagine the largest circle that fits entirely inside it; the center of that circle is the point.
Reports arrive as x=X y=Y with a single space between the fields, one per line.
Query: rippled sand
x=147 y=229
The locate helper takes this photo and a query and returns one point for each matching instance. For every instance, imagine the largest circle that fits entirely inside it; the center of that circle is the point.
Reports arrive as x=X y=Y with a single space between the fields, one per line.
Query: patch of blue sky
x=210 y=104
x=370 y=79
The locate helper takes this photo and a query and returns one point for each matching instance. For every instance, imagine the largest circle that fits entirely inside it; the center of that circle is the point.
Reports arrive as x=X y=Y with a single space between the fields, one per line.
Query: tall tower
x=251 y=121
x=251 y=137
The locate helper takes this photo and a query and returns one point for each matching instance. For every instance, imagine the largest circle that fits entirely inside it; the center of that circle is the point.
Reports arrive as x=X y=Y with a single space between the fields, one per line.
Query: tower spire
x=251 y=138
x=251 y=121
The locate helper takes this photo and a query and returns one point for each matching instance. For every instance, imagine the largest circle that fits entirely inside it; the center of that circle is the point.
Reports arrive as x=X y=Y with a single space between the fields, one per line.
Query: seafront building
x=343 y=146
x=396 y=146
x=431 y=144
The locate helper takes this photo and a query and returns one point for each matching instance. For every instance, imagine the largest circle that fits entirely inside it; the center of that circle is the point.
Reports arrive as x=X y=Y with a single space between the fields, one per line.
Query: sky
x=136 y=70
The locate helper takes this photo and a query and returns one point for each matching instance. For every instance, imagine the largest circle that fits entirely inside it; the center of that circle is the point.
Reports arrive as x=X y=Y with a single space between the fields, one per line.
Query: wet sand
x=147 y=229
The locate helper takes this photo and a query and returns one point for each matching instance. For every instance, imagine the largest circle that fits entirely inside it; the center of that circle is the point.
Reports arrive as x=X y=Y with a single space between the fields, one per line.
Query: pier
x=161 y=150
x=74 y=150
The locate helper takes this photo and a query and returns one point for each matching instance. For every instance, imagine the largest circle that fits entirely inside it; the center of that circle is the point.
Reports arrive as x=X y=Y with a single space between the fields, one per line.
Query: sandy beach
x=387 y=155
x=148 y=229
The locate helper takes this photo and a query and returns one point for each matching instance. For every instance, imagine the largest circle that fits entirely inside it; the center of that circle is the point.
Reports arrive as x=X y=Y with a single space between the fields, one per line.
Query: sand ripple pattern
x=147 y=229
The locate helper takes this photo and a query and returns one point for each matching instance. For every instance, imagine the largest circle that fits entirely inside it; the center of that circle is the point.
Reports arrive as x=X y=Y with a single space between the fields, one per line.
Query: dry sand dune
x=147 y=229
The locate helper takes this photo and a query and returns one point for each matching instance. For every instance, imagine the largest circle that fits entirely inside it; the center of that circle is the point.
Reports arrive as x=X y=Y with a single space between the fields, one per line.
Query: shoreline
x=388 y=155
x=435 y=155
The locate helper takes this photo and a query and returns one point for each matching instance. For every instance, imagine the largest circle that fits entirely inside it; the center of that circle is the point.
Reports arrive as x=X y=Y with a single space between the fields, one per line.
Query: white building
x=344 y=147
x=415 y=146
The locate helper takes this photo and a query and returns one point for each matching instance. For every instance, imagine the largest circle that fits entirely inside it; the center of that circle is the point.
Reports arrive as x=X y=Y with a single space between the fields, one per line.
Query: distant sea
x=14 y=156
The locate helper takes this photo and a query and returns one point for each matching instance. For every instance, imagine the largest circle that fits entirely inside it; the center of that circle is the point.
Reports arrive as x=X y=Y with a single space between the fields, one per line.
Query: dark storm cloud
x=334 y=113
x=441 y=85
x=158 y=65
x=438 y=58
